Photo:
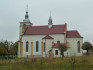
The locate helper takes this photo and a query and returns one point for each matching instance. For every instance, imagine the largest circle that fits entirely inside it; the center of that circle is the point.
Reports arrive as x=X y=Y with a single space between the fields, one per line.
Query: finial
x=27 y=8
x=50 y=13
x=27 y=16
x=50 y=21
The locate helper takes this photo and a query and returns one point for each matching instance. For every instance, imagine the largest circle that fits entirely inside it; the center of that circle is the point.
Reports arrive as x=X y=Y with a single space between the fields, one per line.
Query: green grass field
x=66 y=63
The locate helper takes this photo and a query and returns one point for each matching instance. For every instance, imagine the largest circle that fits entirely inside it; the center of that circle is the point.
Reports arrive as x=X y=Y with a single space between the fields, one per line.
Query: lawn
x=66 y=63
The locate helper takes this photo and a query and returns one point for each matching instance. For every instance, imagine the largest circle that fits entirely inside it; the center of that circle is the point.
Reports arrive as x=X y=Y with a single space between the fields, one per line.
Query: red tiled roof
x=56 y=45
x=44 y=30
x=73 y=34
x=47 y=37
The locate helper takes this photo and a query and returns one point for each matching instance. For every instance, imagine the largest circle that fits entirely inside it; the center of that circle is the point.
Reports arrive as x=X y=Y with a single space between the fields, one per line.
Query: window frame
x=78 y=46
x=27 y=46
x=37 y=46
x=56 y=52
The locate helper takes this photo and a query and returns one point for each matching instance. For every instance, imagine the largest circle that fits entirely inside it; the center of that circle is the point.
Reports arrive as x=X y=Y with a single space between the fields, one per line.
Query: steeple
x=26 y=16
x=50 y=21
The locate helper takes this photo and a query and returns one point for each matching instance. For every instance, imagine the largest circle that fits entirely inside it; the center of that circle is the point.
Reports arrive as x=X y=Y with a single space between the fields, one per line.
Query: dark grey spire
x=50 y=21
x=26 y=16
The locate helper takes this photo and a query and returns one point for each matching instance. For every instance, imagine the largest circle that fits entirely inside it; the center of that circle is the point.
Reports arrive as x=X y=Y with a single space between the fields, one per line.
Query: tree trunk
x=62 y=53
x=87 y=52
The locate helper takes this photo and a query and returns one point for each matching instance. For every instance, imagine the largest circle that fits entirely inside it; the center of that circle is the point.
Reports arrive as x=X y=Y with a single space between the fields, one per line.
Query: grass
x=66 y=63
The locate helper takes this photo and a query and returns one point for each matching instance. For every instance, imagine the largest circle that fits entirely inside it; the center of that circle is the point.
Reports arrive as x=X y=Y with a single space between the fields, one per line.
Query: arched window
x=78 y=46
x=27 y=45
x=37 y=46
x=58 y=42
x=44 y=48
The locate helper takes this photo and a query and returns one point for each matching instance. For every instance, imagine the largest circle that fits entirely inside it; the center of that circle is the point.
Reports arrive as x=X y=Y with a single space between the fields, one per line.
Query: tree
x=5 y=47
x=8 y=45
x=86 y=46
x=2 y=45
x=62 y=48
x=14 y=49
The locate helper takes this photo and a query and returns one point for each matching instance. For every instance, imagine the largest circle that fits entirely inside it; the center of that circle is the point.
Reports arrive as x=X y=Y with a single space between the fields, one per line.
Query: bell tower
x=26 y=22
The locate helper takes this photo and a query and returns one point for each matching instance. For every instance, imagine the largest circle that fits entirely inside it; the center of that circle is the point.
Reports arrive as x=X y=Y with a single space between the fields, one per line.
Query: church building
x=44 y=40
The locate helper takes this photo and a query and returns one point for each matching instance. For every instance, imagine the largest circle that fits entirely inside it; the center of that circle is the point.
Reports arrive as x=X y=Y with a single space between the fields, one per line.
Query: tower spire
x=27 y=8
x=50 y=13
x=26 y=16
x=50 y=21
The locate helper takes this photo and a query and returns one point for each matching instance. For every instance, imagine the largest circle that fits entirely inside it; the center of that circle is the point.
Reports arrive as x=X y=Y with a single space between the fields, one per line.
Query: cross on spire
x=27 y=16
x=50 y=13
x=27 y=8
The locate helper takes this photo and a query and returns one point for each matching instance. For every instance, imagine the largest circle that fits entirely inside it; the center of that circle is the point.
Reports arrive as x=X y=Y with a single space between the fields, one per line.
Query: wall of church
x=58 y=37
x=48 y=45
x=34 y=38
x=73 y=50
x=59 y=55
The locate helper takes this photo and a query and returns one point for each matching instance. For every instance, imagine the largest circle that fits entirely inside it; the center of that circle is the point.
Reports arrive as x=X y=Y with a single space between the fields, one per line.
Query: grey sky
x=78 y=14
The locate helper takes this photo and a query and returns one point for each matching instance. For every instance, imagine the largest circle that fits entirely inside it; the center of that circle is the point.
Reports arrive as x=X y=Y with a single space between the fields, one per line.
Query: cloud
x=78 y=14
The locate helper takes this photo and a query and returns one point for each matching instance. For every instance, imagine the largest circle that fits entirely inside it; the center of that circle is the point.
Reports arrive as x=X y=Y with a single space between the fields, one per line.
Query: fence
x=8 y=57
x=53 y=55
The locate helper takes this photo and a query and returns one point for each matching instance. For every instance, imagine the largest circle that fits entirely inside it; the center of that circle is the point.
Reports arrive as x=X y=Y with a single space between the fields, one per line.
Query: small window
x=27 y=45
x=44 y=48
x=37 y=46
x=56 y=52
x=78 y=46
x=58 y=42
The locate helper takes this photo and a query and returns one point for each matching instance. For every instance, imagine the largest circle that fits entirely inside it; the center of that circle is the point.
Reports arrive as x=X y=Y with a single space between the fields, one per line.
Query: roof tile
x=73 y=34
x=44 y=30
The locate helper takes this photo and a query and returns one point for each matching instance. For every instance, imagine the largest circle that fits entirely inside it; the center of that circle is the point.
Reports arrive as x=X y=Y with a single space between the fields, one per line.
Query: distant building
x=41 y=40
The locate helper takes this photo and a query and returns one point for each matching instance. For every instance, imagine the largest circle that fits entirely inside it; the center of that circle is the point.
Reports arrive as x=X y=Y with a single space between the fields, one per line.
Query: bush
x=3 y=52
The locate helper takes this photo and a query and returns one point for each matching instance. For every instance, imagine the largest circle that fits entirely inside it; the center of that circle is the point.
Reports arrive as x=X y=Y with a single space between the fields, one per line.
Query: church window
x=56 y=52
x=44 y=48
x=37 y=46
x=58 y=42
x=27 y=45
x=78 y=46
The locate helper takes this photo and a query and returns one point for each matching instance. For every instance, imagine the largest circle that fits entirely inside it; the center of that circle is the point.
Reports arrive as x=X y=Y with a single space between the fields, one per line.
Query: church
x=44 y=40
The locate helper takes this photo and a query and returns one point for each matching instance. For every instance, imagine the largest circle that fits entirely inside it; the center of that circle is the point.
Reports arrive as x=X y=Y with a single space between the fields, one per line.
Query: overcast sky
x=78 y=14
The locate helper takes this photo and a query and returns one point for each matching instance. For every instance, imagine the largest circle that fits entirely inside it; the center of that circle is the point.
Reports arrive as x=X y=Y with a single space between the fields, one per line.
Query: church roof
x=56 y=45
x=47 y=37
x=73 y=34
x=44 y=30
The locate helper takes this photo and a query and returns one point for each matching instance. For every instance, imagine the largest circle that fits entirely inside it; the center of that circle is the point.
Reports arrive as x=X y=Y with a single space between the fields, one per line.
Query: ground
x=66 y=63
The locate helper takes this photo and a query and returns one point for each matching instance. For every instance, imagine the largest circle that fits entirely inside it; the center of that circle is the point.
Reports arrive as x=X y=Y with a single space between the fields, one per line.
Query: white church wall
x=73 y=50
x=58 y=37
x=65 y=53
x=34 y=38
x=48 y=46
x=53 y=50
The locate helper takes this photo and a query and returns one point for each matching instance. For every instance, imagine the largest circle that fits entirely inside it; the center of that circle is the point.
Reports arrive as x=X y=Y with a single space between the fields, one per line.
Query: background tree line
x=8 y=48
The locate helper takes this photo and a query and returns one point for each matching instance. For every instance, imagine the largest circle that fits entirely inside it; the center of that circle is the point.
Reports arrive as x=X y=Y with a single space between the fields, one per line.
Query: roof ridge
x=71 y=30
x=47 y=25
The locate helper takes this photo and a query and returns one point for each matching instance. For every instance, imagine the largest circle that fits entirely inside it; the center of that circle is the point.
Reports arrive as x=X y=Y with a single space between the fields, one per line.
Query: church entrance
x=50 y=54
